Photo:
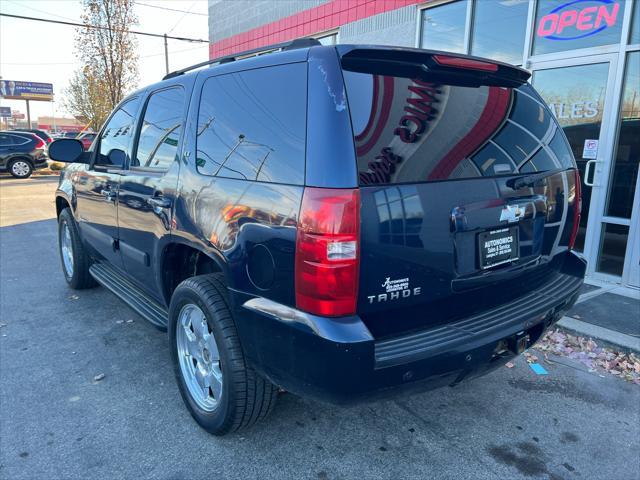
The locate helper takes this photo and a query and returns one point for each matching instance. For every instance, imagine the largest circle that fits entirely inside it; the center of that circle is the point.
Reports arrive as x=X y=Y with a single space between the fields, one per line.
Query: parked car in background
x=21 y=153
x=334 y=221
x=87 y=139
x=69 y=135
x=40 y=133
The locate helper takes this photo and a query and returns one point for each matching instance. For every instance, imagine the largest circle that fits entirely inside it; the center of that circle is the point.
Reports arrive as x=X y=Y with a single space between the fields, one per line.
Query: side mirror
x=117 y=158
x=67 y=150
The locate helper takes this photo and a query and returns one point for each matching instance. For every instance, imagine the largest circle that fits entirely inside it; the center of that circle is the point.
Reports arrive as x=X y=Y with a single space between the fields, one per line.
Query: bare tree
x=85 y=98
x=110 y=60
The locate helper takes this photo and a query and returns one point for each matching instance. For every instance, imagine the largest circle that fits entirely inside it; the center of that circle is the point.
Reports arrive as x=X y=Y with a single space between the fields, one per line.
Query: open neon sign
x=578 y=22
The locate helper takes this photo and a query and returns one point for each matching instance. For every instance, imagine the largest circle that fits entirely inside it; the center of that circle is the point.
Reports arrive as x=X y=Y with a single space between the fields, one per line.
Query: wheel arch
x=181 y=260
x=61 y=204
x=20 y=156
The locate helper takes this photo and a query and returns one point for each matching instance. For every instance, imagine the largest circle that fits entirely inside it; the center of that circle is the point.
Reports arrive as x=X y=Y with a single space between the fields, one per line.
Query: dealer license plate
x=498 y=247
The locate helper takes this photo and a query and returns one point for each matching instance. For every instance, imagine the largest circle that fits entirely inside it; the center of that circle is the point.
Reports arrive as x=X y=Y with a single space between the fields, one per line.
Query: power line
x=98 y=27
x=35 y=64
x=182 y=17
x=171 y=9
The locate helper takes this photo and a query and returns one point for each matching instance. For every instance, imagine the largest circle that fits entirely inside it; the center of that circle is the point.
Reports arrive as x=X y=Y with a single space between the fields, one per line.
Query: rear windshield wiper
x=531 y=179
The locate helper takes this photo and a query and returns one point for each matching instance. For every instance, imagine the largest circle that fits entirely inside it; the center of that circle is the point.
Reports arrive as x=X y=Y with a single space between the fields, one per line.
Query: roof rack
x=290 y=45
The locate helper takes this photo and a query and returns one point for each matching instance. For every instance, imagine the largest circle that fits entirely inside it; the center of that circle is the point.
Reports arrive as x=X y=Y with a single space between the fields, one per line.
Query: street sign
x=5 y=112
x=15 y=90
x=17 y=115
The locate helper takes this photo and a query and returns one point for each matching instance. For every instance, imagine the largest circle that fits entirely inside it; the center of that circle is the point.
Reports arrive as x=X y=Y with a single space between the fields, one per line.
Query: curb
x=606 y=337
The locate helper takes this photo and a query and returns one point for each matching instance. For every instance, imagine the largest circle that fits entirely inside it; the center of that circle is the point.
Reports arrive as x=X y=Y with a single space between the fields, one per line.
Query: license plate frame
x=498 y=246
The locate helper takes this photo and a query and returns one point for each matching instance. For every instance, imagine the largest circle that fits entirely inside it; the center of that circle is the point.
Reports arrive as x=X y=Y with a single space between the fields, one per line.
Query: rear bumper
x=40 y=163
x=337 y=360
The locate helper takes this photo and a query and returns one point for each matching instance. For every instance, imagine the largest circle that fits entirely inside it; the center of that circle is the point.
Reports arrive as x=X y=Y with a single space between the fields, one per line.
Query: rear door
x=467 y=189
x=147 y=188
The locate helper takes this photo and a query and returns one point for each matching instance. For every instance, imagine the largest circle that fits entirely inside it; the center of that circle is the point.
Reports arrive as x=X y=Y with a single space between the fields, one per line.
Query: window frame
x=138 y=130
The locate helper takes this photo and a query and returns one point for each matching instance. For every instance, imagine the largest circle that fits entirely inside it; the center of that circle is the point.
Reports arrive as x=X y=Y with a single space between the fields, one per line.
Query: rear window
x=415 y=130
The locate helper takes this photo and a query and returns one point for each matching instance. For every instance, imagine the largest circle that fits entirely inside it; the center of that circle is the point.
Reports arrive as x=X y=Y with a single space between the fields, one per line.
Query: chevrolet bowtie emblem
x=512 y=213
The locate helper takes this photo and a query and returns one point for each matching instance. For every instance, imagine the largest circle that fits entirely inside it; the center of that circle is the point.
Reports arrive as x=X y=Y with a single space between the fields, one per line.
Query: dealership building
x=584 y=56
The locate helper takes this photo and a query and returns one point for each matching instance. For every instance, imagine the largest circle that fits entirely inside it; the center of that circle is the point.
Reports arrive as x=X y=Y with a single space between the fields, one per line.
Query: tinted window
x=413 y=130
x=5 y=140
x=252 y=125
x=160 y=130
x=443 y=27
x=499 y=28
x=117 y=133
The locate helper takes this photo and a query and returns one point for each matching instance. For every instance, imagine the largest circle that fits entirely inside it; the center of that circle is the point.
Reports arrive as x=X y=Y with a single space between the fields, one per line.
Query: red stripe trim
x=306 y=23
x=387 y=101
x=491 y=117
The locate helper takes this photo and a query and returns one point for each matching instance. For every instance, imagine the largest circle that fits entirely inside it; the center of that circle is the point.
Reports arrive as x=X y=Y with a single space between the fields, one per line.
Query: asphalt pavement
x=57 y=422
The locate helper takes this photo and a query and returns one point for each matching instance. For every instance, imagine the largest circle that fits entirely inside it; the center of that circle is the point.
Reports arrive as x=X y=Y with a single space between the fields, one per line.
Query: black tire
x=246 y=396
x=80 y=278
x=24 y=172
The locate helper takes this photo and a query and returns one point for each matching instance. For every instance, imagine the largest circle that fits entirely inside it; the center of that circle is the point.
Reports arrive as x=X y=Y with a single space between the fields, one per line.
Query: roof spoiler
x=463 y=70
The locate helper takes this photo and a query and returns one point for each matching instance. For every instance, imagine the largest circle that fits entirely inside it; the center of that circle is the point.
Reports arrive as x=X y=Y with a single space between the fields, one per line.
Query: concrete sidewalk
x=608 y=314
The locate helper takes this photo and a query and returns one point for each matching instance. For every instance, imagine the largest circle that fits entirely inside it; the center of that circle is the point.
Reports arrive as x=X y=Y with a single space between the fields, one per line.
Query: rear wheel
x=221 y=391
x=73 y=255
x=20 y=168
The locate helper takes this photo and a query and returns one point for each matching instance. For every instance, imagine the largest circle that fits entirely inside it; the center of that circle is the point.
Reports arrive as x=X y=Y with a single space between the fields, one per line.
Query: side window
x=116 y=136
x=5 y=140
x=252 y=125
x=160 y=130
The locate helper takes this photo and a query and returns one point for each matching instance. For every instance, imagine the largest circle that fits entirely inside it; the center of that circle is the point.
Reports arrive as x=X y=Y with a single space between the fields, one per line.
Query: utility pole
x=28 y=115
x=166 y=54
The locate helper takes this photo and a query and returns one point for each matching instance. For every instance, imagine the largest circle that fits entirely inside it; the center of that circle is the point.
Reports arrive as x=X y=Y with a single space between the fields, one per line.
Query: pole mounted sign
x=15 y=90
x=5 y=112
x=578 y=19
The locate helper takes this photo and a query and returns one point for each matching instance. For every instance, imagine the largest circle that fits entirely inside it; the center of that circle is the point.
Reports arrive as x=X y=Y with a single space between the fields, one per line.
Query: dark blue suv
x=334 y=221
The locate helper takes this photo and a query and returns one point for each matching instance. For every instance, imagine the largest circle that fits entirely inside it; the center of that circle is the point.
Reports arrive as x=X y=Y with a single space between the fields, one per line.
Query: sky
x=44 y=52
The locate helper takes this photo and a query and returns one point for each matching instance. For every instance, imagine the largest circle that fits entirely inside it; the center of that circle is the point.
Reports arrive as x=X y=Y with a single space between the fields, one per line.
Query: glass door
x=580 y=94
x=623 y=202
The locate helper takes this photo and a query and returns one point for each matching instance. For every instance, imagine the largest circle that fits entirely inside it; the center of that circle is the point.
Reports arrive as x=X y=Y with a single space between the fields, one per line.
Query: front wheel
x=73 y=255
x=20 y=168
x=221 y=391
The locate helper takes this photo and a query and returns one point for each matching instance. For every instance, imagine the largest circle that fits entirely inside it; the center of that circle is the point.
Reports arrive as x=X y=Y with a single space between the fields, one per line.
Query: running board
x=112 y=279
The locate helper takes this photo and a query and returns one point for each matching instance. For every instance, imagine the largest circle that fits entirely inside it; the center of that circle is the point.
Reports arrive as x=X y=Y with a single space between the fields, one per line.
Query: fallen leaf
x=509 y=364
x=98 y=377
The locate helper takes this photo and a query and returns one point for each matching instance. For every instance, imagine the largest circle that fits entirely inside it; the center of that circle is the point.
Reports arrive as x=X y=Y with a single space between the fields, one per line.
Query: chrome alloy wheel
x=198 y=357
x=20 y=168
x=66 y=248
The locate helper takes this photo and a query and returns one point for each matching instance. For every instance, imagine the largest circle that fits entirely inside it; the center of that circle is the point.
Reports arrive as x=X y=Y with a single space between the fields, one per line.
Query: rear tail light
x=577 y=210
x=327 y=251
x=40 y=143
x=466 y=63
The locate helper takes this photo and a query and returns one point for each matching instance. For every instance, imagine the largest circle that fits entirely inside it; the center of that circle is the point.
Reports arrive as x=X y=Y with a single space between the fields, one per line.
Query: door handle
x=587 y=170
x=109 y=195
x=159 y=202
